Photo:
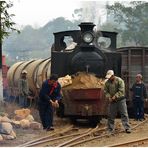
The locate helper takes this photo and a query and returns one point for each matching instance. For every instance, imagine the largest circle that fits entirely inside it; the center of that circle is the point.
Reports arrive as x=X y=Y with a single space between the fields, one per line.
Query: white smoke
x=94 y=11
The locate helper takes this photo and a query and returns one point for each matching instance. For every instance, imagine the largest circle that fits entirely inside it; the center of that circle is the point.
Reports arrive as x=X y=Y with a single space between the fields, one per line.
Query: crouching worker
x=48 y=100
x=115 y=92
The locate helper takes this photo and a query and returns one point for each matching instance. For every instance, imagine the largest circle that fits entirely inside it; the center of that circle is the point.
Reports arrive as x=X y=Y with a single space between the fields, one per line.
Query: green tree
x=6 y=24
x=35 y=43
x=132 y=19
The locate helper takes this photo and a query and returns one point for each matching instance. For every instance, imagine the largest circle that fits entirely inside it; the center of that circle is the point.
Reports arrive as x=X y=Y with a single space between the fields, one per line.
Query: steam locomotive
x=87 y=56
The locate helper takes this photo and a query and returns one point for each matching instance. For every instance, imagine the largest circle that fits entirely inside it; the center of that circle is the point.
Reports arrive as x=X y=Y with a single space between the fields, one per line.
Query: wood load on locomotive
x=82 y=67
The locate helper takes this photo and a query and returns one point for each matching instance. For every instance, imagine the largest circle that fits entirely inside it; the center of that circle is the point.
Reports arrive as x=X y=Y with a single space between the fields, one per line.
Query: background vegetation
x=128 y=19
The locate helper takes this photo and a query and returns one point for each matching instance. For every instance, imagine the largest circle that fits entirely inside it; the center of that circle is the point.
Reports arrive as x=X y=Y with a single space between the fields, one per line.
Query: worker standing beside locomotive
x=138 y=95
x=115 y=92
x=23 y=89
x=48 y=100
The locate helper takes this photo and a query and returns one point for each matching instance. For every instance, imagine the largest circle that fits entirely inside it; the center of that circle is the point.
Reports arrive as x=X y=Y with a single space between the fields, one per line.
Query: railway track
x=134 y=143
x=83 y=138
x=54 y=141
x=100 y=135
x=55 y=133
x=63 y=138
x=73 y=137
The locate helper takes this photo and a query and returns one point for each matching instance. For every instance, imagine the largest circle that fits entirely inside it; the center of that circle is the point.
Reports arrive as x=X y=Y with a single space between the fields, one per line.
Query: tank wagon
x=38 y=71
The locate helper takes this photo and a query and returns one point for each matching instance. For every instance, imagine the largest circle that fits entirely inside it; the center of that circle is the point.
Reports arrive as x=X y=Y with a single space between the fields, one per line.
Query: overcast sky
x=38 y=12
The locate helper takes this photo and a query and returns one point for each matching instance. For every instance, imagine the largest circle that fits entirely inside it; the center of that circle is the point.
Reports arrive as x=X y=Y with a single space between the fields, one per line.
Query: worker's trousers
x=121 y=107
x=23 y=101
x=46 y=114
x=138 y=109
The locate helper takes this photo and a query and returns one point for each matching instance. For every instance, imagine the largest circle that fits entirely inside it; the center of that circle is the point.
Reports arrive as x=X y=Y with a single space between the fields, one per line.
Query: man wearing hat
x=115 y=92
x=23 y=89
x=138 y=95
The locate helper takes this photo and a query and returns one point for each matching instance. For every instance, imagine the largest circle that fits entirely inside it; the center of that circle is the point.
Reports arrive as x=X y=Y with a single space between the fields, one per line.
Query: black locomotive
x=87 y=55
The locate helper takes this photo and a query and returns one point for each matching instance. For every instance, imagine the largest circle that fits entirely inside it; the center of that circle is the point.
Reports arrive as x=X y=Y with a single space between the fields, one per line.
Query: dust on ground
x=25 y=135
x=137 y=133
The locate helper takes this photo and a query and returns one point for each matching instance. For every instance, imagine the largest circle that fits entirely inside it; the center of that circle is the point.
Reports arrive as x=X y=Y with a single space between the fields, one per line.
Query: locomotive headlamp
x=88 y=37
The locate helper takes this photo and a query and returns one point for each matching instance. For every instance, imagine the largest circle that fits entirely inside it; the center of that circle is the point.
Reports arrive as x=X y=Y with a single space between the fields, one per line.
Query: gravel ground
x=25 y=135
x=139 y=132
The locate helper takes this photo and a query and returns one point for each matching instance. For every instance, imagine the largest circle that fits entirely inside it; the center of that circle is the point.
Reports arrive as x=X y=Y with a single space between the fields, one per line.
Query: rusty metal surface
x=84 y=102
x=11 y=72
x=31 y=69
x=134 y=60
x=41 y=74
x=18 y=72
x=38 y=71
x=84 y=94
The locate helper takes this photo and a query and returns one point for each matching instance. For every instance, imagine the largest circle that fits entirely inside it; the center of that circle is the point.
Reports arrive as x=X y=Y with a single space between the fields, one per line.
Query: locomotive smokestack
x=86 y=26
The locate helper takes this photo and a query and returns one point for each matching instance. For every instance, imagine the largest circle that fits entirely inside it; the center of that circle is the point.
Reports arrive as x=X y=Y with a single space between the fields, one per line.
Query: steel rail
x=43 y=142
x=134 y=128
x=45 y=137
x=101 y=136
x=86 y=140
x=72 y=142
x=130 y=143
x=74 y=139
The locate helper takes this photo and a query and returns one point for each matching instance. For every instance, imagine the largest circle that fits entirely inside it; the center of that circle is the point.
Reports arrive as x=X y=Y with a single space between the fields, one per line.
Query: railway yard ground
x=82 y=135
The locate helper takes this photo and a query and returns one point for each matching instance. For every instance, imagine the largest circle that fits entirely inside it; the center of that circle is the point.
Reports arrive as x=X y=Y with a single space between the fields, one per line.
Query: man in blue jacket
x=48 y=100
x=138 y=95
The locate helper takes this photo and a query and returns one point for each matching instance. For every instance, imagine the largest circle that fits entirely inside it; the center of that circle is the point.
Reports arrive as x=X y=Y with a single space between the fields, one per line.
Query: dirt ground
x=25 y=135
x=138 y=133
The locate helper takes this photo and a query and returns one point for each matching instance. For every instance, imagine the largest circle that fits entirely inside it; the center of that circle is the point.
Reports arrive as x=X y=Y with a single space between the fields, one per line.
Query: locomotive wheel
x=93 y=121
x=73 y=120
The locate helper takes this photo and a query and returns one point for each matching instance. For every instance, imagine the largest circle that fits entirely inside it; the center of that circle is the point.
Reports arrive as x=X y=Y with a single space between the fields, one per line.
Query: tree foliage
x=6 y=22
x=35 y=43
x=132 y=20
